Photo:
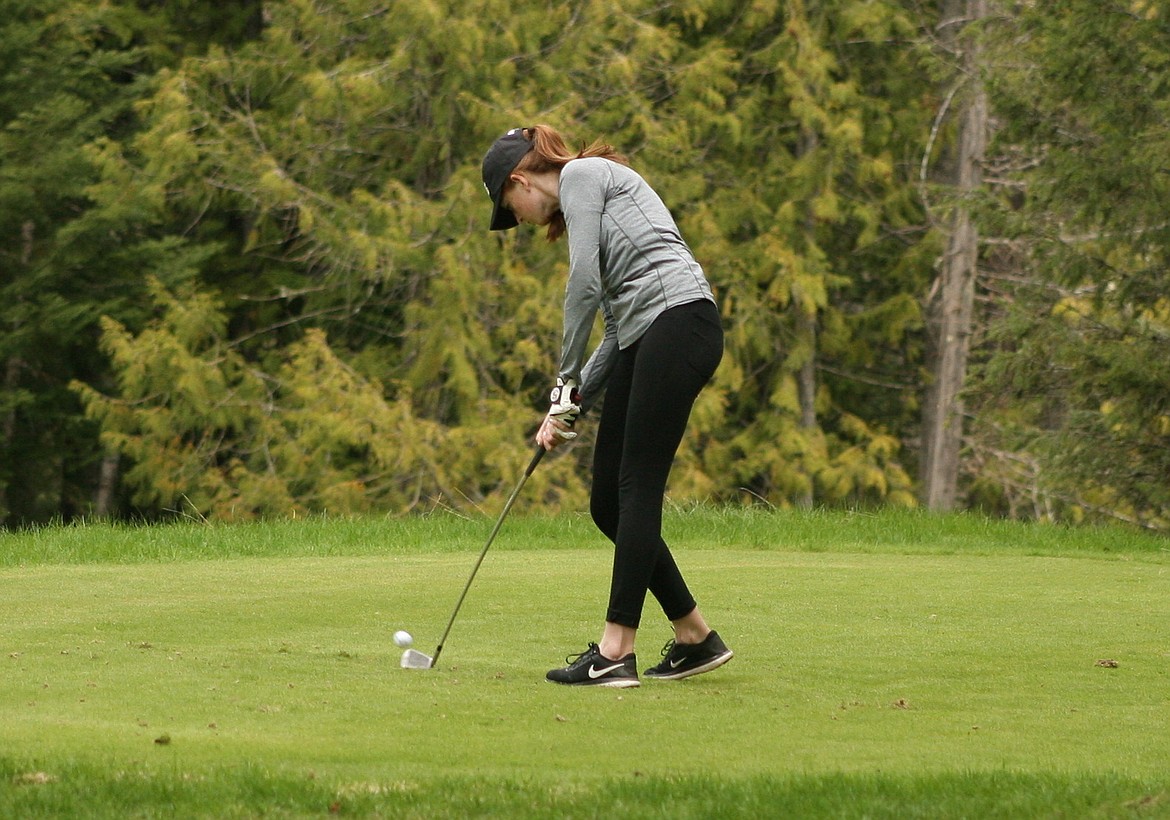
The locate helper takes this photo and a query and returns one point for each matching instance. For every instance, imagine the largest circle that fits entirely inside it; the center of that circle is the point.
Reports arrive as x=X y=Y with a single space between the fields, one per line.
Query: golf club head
x=413 y=659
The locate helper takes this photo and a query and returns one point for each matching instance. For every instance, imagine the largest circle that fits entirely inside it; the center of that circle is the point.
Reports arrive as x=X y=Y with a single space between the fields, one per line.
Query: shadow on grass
x=78 y=790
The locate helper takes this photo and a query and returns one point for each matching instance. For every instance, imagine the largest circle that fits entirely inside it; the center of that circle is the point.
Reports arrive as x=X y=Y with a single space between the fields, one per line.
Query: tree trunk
x=950 y=310
x=12 y=372
x=8 y=430
x=806 y=332
x=107 y=485
x=806 y=328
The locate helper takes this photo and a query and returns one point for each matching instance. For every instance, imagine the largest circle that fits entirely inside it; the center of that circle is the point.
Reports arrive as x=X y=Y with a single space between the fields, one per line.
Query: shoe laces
x=590 y=650
x=666 y=650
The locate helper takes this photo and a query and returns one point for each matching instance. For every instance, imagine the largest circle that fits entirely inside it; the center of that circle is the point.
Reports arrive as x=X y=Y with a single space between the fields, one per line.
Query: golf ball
x=402 y=638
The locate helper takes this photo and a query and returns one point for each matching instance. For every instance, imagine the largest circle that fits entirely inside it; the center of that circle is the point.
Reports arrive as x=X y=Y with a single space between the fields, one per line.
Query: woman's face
x=528 y=201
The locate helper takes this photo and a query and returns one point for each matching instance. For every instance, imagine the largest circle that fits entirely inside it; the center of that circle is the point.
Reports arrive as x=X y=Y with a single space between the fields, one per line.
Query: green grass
x=888 y=665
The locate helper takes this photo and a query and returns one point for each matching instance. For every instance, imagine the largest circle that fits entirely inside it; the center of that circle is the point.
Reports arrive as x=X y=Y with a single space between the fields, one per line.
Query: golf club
x=412 y=658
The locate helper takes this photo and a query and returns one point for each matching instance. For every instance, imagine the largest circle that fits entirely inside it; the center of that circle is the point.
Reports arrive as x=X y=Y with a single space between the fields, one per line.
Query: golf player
x=663 y=340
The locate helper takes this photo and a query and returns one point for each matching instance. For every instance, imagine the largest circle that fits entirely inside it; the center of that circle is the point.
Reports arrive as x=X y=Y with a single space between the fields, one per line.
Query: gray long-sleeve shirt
x=626 y=258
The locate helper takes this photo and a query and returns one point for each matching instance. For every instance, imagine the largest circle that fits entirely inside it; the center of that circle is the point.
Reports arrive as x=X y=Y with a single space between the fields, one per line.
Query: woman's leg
x=617 y=640
x=669 y=366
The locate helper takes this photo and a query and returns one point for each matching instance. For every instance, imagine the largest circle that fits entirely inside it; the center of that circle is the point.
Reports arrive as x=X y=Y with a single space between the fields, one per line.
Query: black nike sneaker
x=681 y=660
x=591 y=668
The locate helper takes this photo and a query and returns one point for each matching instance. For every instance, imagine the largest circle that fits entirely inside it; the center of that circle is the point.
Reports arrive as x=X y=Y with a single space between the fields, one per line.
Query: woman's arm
x=583 y=189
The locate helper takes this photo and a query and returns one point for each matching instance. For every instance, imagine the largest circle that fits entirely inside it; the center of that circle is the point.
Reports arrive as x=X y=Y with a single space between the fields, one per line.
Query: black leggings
x=647 y=402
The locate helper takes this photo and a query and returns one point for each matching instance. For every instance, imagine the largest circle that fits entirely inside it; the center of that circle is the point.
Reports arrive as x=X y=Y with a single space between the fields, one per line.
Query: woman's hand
x=557 y=427
x=553 y=433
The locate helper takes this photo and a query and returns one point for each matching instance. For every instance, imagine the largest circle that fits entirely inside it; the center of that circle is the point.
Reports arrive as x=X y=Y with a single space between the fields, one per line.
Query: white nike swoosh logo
x=596 y=673
x=678 y=663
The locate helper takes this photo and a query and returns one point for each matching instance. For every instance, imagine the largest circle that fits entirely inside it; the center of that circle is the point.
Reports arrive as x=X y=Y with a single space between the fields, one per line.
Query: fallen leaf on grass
x=33 y=779
x=163 y=740
x=1108 y=663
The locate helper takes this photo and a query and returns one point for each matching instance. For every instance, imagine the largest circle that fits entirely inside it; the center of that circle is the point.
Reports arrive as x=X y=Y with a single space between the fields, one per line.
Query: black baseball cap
x=504 y=155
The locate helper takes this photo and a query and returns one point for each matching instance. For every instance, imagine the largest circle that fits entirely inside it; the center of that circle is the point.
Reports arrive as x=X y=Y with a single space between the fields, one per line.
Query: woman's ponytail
x=550 y=153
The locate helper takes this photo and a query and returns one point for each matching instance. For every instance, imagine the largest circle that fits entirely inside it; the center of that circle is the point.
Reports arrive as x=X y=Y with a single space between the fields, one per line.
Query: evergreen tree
x=322 y=159
x=1076 y=397
x=336 y=164
x=70 y=72
x=805 y=148
x=329 y=325
x=237 y=442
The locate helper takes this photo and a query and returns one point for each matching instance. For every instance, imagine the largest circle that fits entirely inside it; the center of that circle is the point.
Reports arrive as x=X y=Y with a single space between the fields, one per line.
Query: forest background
x=245 y=267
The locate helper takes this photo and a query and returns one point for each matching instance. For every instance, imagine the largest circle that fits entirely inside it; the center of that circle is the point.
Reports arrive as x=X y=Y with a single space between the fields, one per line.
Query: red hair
x=550 y=153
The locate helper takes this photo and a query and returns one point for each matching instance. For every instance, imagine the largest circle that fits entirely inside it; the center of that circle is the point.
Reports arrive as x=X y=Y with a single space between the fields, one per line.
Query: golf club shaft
x=499 y=521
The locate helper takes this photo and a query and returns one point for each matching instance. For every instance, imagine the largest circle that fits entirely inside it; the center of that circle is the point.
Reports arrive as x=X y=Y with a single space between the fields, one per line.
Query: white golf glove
x=565 y=406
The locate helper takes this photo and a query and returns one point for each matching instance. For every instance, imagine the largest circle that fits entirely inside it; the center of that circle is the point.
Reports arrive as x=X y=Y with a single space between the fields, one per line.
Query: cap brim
x=502 y=218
